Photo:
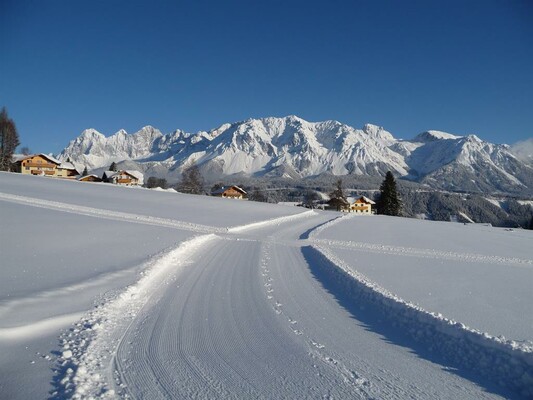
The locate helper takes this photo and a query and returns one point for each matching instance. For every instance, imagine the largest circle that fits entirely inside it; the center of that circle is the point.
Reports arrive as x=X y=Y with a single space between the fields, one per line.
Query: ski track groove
x=319 y=352
x=193 y=340
x=108 y=214
x=425 y=253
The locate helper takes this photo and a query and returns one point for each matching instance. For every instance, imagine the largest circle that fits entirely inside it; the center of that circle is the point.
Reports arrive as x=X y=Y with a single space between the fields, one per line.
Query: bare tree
x=9 y=140
x=25 y=150
x=192 y=180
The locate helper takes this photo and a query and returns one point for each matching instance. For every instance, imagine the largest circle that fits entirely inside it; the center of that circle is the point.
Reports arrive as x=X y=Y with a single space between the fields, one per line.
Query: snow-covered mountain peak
x=294 y=118
x=431 y=136
x=377 y=132
x=148 y=132
x=91 y=134
x=292 y=146
x=474 y=139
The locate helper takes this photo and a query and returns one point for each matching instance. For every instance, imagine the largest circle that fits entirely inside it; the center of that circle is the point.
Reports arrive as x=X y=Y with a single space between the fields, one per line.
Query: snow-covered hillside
x=113 y=292
x=292 y=147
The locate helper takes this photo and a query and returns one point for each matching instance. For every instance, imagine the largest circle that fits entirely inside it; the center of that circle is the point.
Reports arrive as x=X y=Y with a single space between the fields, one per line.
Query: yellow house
x=45 y=165
x=66 y=170
x=363 y=205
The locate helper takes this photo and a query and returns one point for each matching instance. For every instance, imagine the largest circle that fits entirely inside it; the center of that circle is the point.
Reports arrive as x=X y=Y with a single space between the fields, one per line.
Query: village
x=48 y=166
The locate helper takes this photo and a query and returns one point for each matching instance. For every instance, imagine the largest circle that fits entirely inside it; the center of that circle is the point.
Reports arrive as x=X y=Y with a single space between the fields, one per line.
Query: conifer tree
x=389 y=202
x=9 y=140
x=113 y=167
x=85 y=172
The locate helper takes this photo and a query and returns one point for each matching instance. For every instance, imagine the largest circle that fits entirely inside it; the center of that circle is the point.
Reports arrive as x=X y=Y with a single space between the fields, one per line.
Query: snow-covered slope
x=202 y=297
x=293 y=147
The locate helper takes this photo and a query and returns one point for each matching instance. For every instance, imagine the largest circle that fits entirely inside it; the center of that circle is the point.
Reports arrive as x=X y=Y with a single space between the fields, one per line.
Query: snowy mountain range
x=294 y=148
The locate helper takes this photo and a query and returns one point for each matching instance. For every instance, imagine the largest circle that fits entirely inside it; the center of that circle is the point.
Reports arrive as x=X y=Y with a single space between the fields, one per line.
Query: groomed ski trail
x=242 y=315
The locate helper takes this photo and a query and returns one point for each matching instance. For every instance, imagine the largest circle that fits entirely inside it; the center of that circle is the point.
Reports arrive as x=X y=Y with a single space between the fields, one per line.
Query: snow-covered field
x=128 y=293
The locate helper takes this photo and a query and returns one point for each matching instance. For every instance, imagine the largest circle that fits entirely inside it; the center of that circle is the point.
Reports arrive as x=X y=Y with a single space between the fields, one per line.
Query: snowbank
x=274 y=221
x=82 y=368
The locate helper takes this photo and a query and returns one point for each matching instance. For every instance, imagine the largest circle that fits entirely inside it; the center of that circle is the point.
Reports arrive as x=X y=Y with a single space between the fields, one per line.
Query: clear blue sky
x=458 y=66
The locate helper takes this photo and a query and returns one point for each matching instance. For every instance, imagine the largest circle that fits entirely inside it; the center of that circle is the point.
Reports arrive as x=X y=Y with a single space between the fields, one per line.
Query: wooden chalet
x=122 y=177
x=229 y=192
x=363 y=205
x=89 y=178
x=45 y=165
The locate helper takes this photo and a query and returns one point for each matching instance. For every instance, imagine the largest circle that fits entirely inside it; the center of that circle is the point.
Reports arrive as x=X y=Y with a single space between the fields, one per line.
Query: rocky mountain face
x=294 y=148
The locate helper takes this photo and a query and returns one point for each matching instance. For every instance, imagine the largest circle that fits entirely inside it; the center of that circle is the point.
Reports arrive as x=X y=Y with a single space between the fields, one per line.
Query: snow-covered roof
x=108 y=174
x=68 y=165
x=366 y=200
x=224 y=188
x=136 y=174
x=21 y=157
x=239 y=189
x=18 y=157
x=81 y=177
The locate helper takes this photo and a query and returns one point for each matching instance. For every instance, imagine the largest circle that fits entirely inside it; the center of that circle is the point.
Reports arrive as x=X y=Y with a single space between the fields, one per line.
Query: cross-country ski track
x=254 y=312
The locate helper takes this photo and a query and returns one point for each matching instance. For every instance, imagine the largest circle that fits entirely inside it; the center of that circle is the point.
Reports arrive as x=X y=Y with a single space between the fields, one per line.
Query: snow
x=293 y=148
x=497 y=202
x=433 y=135
x=526 y=202
x=478 y=275
x=116 y=292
